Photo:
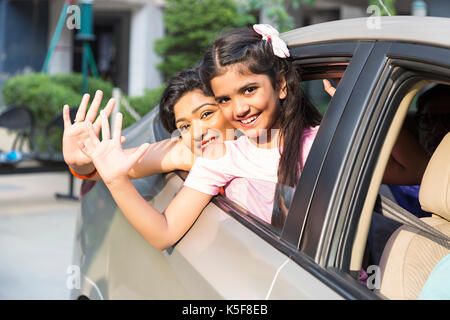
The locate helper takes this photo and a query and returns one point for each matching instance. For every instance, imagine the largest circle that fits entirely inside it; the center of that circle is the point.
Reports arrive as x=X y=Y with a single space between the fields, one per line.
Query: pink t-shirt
x=248 y=173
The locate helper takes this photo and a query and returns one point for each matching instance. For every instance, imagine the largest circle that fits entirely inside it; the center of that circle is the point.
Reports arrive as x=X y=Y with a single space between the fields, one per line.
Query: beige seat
x=410 y=255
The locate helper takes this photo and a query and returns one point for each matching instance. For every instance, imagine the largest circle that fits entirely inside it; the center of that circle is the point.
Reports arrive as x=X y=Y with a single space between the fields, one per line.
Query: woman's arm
x=163 y=156
x=407 y=162
x=113 y=165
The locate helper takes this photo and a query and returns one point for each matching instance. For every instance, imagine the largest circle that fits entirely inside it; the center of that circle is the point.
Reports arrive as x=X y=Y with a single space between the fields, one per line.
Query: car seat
x=410 y=254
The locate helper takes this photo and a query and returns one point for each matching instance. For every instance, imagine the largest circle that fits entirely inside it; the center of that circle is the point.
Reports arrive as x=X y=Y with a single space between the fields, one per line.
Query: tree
x=191 y=26
x=389 y=4
x=276 y=10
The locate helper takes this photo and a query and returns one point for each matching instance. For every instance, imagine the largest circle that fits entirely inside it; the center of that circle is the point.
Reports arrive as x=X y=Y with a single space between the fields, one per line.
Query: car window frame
x=359 y=52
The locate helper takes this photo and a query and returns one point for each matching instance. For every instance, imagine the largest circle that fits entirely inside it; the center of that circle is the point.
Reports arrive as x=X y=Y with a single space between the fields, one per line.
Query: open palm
x=77 y=132
x=109 y=158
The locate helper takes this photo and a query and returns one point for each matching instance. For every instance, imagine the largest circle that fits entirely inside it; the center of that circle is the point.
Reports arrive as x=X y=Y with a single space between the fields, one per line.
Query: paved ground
x=36 y=236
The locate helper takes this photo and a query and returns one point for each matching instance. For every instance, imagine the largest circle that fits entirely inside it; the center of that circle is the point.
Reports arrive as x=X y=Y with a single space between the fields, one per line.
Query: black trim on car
x=340 y=282
x=295 y=220
x=330 y=185
x=367 y=165
x=421 y=53
x=334 y=49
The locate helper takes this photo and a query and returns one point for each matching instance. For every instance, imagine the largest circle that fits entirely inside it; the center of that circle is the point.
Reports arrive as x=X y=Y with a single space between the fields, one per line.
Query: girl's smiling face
x=200 y=121
x=248 y=101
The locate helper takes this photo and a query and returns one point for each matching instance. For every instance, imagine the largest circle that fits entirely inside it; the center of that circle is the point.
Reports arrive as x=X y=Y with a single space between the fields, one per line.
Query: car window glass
x=314 y=89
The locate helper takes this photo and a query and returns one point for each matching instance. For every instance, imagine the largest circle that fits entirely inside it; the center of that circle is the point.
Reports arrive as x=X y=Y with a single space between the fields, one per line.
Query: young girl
x=258 y=92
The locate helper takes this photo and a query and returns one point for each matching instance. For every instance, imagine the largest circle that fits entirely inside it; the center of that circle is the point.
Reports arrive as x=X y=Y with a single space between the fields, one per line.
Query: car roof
x=429 y=30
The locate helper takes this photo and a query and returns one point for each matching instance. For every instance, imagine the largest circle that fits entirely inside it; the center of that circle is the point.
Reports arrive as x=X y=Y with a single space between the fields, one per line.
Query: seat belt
x=392 y=210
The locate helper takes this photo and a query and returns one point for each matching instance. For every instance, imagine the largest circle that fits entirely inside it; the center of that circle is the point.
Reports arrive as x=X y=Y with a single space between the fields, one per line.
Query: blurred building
x=125 y=31
x=328 y=10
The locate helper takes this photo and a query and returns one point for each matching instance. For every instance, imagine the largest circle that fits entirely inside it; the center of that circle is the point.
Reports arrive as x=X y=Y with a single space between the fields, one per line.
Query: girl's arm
x=113 y=165
x=161 y=230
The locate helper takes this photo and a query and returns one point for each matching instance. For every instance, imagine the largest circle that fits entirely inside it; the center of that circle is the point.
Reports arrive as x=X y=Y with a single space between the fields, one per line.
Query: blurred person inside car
x=187 y=111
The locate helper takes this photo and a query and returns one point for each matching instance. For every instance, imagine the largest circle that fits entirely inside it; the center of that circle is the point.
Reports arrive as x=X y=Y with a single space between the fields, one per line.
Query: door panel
x=294 y=282
x=217 y=258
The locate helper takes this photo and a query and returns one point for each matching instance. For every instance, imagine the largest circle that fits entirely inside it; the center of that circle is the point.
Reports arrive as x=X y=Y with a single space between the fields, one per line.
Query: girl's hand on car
x=110 y=160
x=328 y=87
x=77 y=131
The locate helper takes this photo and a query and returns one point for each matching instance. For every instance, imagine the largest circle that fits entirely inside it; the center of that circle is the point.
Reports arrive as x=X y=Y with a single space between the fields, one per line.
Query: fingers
x=66 y=117
x=328 y=87
x=93 y=137
x=123 y=139
x=81 y=113
x=105 y=126
x=118 y=128
x=110 y=106
x=137 y=155
x=108 y=109
x=93 y=109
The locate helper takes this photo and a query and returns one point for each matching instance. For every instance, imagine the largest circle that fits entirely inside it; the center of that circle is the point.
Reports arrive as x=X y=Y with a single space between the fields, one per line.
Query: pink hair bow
x=271 y=34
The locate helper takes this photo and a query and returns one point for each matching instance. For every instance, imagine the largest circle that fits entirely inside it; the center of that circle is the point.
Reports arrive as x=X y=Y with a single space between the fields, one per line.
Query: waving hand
x=77 y=131
x=109 y=158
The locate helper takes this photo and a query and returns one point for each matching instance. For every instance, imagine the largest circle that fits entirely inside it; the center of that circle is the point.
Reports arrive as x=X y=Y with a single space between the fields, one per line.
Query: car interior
x=410 y=248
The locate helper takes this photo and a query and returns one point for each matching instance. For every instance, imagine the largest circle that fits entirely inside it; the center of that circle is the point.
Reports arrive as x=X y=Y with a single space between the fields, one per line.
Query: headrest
x=434 y=194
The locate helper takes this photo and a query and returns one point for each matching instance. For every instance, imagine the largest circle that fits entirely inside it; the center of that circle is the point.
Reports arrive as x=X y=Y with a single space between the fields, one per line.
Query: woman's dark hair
x=296 y=112
x=438 y=91
x=181 y=83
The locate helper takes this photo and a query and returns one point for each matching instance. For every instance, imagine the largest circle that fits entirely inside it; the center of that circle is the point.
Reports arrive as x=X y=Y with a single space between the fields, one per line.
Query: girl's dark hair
x=181 y=83
x=296 y=112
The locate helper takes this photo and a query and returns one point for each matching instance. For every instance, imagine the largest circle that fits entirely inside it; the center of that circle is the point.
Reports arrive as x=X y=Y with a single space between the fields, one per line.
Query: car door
x=338 y=217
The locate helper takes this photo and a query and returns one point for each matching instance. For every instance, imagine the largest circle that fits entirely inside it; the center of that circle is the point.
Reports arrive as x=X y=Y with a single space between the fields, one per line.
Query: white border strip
x=275 y=278
x=95 y=286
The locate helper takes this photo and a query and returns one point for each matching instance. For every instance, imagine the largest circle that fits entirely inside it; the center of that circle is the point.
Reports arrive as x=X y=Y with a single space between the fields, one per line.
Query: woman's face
x=248 y=101
x=200 y=121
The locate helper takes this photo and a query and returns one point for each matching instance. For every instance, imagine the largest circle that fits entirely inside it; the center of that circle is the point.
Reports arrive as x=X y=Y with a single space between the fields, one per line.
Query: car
x=231 y=254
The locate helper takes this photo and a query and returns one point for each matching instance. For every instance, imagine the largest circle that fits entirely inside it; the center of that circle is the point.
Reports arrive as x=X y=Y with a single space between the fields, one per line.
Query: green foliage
x=389 y=4
x=191 y=26
x=46 y=95
x=142 y=104
x=74 y=81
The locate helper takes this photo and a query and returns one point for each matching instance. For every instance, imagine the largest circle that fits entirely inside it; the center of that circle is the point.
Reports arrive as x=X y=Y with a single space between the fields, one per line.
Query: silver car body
x=220 y=257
